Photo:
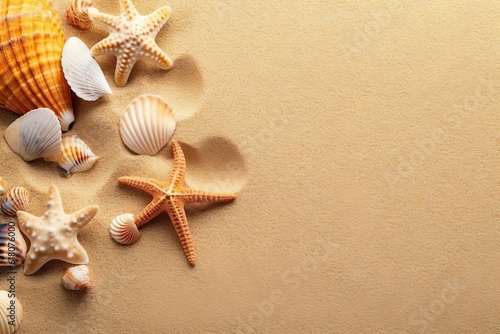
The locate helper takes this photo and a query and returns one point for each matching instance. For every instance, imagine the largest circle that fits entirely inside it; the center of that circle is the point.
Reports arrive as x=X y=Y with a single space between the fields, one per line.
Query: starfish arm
x=109 y=45
x=175 y=210
x=197 y=196
x=75 y=255
x=82 y=217
x=128 y=9
x=155 y=55
x=55 y=201
x=124 y=65
x=32 y=264
x=109 y=22
x=150 y=186
x=149 y=212
x=157 y=19
x=176 y=178
x=23 y=218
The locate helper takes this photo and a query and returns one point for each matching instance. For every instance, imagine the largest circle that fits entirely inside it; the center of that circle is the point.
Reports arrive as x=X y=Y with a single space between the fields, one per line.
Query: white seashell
x=2 y=187
x=124 y=230
x=76 y=156
x=17 y=199
x=147 y=124
x=82 y=71
x=10 y=234
x=11 y=313
x=77 y=278
x=34 y=135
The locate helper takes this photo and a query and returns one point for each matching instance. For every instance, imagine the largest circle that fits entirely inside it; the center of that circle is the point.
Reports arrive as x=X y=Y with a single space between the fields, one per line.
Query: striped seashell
x=77 y=14
x=147 y=124
x=31 y=75
x=82 y=71
x=9 y=235
x=17 y=199
x=11 y=312
x=2 y=187
x=76 y=156
x=124 y=230
x=77 y=278
x=35 y=135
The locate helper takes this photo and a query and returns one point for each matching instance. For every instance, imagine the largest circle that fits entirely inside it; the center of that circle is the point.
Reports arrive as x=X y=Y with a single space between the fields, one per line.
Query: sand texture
x=362 y=139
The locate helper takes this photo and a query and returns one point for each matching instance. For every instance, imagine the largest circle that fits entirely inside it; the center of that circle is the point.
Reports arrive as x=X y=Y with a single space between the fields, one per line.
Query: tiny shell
x=34 y=135
x=82 y=71
x=5 y=239
x=6 y=321
x=2 y=187
x=76 y=156
x=147 y=124
x=77 y=278
x=17 y=198
x=77 y=14
x=124 y=230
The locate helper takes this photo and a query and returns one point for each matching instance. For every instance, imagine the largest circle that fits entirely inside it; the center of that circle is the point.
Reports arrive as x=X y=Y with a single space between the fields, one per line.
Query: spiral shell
x=77 y=278
x=11 y=312
x=147 y=124
x=17 y=199
x=77 y=14
x=124 y=230
x=11 y=236
x=76 y=156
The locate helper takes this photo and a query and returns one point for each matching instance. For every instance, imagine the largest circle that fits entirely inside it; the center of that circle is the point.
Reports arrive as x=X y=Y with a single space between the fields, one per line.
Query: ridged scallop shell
x=35 y=135
x=17 y=199
x=11 y=314
x=2 y=187
x=147 y=124
x=76 y=156
x=12 y=245
x=77 y=14
x=82 y=71
x=77 y=278
x=31 y=75
x=124 y=230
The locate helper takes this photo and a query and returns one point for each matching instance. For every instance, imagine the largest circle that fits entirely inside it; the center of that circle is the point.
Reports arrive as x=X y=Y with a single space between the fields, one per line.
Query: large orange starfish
x=170 y=197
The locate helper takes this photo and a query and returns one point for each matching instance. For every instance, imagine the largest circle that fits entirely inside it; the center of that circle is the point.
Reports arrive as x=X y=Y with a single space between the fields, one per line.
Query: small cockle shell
x=77 y=14
x=147 y=124
x=34 y=135
x=76 y=156
x=82 y=71
x=2 y=187
x=17 y=198
x=11 y=312
x=124 y=230
x=12 y=245
x=77 y=278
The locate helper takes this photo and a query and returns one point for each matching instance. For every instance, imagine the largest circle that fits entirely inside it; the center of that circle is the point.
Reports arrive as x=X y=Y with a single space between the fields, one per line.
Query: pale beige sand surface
x=363 y=140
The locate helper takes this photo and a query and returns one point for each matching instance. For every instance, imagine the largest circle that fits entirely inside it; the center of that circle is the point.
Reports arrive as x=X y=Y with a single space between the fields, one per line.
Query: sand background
x=362 y=138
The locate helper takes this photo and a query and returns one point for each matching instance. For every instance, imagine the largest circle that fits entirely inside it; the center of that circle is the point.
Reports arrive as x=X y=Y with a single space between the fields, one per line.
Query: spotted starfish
x=132 y=37
x=54 y=235
x=170 y=197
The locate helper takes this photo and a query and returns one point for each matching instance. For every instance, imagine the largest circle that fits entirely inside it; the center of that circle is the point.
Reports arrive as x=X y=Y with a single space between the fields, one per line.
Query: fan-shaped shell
x=82 y=71
x=31 y=76
x=76 y=156
x=77 y=14
x=35 y=135
x=124 y=230
x=147 y=124
x=11 y=312
x=77 y=278
x=2 y=187
x=12 y=245
x=17 y=199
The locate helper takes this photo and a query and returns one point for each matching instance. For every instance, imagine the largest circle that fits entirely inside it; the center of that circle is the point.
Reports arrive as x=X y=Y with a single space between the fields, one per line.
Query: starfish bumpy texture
x=170 y=197
x=54 y=235
x=132 y=37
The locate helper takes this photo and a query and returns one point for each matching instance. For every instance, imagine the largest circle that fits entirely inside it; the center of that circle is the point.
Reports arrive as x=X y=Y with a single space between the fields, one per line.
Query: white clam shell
x=124 y=230
x=34 y=135
x=17 y=199
x=9 y=234
x=77 y=278
x=11 y=311
x=76 y=156
x=147 y=124
x=82 y=71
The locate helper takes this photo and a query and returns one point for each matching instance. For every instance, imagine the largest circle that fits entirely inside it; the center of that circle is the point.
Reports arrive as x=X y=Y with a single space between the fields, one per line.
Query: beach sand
x=362 y=140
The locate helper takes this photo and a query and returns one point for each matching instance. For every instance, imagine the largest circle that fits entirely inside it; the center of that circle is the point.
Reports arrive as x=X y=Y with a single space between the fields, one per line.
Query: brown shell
x=77 y=14
x=77 y=278
x=16 y=255
x=17 y=199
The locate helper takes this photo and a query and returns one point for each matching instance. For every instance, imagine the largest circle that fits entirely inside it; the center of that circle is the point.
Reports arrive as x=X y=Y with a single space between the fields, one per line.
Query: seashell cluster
x=82 y=71
x=77 y=278
x=17 y=199
x=35 y=135
x=31 y=75
x=124 y=230
x=11 y=255
x=11 y=313
x=147 y=124
x=2 y=187
x=76 y=156
x=77 y=14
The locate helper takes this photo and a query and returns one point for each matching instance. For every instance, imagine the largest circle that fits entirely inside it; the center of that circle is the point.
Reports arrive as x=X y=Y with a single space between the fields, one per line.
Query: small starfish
x=53 y=235
x=170 y=197
x=132 y=36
